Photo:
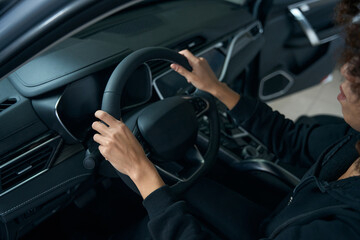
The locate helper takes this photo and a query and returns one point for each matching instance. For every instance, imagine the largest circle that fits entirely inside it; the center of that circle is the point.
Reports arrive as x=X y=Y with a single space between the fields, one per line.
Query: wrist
x=139 y=169
x=146 y=178
x=226 y=95
x=219 y=90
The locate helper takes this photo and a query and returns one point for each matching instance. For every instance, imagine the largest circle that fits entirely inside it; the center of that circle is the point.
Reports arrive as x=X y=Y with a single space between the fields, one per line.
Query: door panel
x=301 y=45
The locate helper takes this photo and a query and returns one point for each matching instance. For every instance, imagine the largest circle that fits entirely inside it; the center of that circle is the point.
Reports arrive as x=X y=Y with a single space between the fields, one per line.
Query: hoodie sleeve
x=319 y=229
x=170 y=219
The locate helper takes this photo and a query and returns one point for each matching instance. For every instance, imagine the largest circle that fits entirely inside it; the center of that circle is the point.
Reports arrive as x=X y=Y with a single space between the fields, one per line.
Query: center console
x=235 y=142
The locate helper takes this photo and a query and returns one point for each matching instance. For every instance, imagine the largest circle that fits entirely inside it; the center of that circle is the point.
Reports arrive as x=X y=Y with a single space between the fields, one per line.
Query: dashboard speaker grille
x=7 y=103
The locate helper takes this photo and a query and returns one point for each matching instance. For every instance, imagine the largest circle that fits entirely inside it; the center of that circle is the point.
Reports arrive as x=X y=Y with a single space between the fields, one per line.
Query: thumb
x=181 y=70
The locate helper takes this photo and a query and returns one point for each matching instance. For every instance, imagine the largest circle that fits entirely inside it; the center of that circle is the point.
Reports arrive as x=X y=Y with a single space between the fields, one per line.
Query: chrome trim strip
x=206 y=50
x=24 y=170
x=228 y=55
x=302 y=3
x=240 y=34
x=155 y=85
x=30 y=151
x=296 y=12
x=23 y=182
x=206 y=101
x=329 y=39
x=193 y=152
x=306 y=26
x=205 y=110
x=168 y=173
x=279 y=93
x=59 y=120
x=150 y=94
x=24 y=154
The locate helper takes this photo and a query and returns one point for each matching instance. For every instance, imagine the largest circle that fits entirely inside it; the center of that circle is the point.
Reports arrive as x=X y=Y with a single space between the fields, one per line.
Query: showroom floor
x=321 y=99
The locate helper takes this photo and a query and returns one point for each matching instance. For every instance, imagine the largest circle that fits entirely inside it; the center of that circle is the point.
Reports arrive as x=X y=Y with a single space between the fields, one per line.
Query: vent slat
x=7 y=103
x=18 y=167
x=21 y=161
x=25 y=167
x=14 y=178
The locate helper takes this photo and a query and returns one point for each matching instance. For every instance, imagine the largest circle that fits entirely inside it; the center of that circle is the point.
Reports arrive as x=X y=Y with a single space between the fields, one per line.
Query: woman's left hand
x=119 y=146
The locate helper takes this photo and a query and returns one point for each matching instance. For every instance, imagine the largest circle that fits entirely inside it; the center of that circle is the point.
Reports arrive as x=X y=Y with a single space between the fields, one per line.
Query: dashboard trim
x=5 y=212
x=59 y=120
x=240 y=34
x=228 y=54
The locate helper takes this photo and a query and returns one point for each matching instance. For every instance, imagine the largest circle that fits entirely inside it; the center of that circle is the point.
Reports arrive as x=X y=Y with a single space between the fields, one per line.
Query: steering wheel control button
x=199 y=104
x=142 y=141
x=168 y=127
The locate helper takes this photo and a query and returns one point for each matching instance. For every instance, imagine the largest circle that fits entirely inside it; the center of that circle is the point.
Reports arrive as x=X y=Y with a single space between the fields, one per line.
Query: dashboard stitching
x=39 y=195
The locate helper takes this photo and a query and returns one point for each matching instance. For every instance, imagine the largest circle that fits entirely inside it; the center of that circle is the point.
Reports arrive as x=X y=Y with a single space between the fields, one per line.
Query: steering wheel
x=166 y=129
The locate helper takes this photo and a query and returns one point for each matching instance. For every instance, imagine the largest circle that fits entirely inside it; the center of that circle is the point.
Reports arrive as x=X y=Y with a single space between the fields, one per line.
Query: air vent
x=20 y=170
x=7 y=103
x=158 y=66
x=19 y=167
x=191 y=44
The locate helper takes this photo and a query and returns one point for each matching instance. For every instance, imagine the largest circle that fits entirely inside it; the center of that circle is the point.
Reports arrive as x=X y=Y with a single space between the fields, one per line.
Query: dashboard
x=47 y=105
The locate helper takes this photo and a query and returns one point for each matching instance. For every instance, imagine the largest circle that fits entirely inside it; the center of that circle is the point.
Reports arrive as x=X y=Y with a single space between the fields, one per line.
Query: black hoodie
x=320 y=207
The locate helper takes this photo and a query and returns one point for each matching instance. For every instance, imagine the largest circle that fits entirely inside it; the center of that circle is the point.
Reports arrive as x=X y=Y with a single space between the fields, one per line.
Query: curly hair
x=348 y=15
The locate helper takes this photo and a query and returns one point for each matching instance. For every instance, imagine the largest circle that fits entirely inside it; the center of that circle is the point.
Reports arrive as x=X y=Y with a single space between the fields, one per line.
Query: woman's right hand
x=202 y=76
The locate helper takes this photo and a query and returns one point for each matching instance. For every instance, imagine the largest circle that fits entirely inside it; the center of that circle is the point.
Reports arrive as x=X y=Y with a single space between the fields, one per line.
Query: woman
x=326 y=203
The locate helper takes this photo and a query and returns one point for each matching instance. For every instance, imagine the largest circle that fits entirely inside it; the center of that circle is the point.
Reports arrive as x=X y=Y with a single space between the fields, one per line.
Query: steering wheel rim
x=113 y=93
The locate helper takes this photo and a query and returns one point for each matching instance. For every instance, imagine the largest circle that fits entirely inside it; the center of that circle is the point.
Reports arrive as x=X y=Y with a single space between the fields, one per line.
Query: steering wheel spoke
x=200 y=104
x=166 y=129
x=184 y=170
x=142 y=141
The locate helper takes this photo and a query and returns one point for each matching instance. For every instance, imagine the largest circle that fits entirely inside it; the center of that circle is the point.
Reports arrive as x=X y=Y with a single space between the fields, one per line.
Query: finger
x=181 y=70
x=99 y=139
x=189 y=55
x=103 y=152
x=105 y=117
x=99 y=127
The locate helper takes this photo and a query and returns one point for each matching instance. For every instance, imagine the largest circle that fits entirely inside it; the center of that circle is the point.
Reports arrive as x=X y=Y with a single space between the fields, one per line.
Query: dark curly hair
x=348 y=15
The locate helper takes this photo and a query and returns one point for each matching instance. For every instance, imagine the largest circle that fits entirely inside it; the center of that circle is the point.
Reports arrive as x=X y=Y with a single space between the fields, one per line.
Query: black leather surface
x=119 y=77
x=43 y=188
x=18 y=123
